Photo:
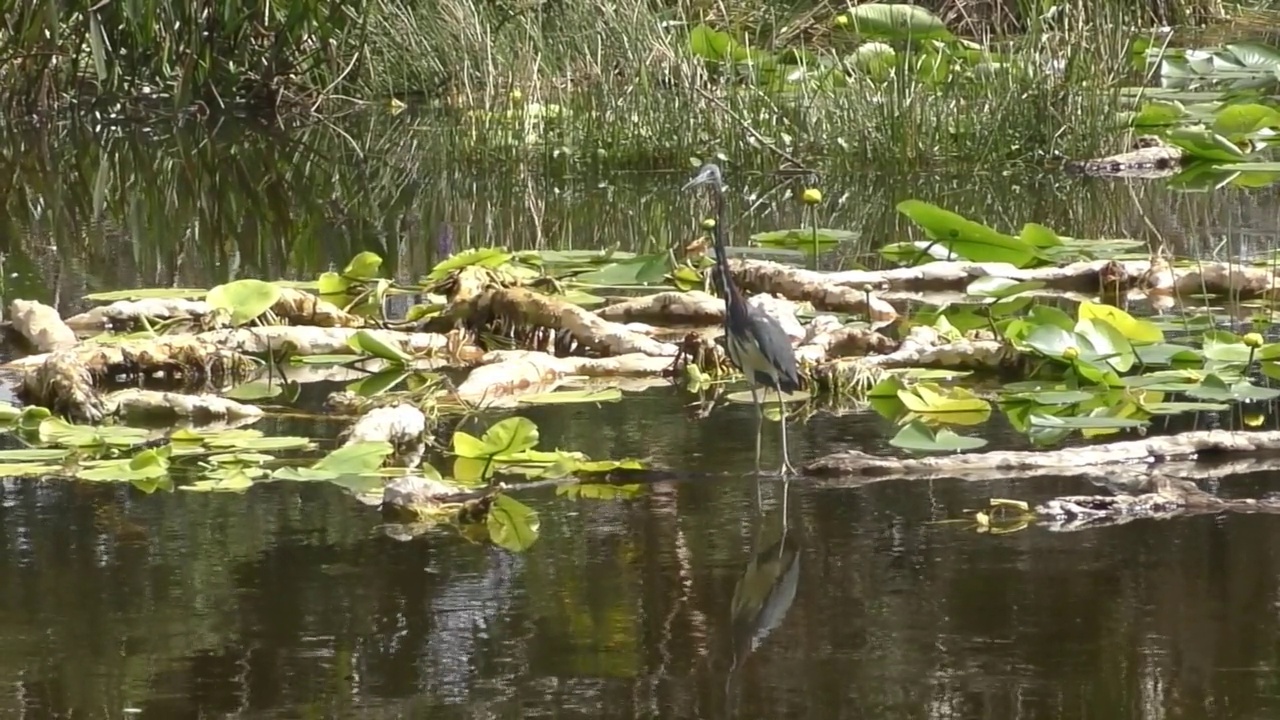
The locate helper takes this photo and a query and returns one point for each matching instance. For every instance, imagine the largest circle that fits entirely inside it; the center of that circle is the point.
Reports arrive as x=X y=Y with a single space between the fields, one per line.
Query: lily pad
x=968 y=239
x=245 y=299
x=918 y=437
x=565 y=397
x=512 y=524
x=507 y=437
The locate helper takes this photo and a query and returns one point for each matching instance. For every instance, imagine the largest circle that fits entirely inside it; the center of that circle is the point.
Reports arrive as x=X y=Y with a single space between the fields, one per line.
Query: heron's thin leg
x=755 y=402
x=786 y=458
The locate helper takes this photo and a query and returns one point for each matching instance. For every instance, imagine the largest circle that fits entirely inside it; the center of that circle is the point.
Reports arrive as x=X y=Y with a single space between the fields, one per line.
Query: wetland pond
x=293 y=600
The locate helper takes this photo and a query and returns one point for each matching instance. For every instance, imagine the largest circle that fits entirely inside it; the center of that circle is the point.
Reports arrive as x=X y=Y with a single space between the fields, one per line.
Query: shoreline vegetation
x=916 y=84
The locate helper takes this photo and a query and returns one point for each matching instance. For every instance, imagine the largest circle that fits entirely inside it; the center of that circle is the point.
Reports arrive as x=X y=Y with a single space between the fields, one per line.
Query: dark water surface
x=291 y=601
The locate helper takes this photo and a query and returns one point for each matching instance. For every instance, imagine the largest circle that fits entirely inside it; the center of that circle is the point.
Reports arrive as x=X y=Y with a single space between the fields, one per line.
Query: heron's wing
x=773 y=342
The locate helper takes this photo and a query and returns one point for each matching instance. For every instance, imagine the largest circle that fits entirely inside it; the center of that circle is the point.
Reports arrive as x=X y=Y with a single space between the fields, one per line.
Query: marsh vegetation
x=362 y=299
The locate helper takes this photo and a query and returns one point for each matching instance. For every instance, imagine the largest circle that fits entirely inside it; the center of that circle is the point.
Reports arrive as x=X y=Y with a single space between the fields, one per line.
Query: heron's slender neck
x=731 y=295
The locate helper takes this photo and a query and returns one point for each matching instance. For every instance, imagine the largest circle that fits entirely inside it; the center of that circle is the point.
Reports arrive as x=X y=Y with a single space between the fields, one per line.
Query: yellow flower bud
x=1071 y=353
x=708 y=223
x=515 y=95
x=1254 y=419
x=842 y=20
x=1253 y=340
x=811 y=196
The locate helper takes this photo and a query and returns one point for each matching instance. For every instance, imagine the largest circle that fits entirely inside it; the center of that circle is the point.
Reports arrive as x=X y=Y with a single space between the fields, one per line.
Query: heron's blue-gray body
x=755 y=342
x=763 y=352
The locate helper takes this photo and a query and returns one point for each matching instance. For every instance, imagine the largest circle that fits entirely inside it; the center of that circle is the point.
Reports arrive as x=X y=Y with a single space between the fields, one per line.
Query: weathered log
x=504 y=375
x=1189 y=445
x=402 y=425
x=667 y=308
x=1153 y=276
x=41 y=325
x=520 y=308
x=135 y=404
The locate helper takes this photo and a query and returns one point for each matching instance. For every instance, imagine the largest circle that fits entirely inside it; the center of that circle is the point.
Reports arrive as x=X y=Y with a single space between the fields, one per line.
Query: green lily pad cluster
x=953 y=237
x=1217 y=105
x=875 y=42
x=1098 y=373
x=235 y=460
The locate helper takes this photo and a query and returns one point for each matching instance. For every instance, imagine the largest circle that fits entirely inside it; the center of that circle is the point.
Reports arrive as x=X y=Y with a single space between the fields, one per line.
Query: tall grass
x=583 y=77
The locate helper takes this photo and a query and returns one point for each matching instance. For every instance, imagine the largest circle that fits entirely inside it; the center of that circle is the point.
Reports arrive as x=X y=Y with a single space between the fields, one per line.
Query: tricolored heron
x=756 y=342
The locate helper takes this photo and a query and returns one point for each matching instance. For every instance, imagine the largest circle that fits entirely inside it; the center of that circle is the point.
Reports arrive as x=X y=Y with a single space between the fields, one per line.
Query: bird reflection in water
x=767 y=587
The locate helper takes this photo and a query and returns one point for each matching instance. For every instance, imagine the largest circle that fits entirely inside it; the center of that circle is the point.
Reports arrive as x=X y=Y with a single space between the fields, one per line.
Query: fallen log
x=134 y=404
x=41 y=325
x=827 y=291
x=504 y=375
x=520 y=313
x=1190 y=445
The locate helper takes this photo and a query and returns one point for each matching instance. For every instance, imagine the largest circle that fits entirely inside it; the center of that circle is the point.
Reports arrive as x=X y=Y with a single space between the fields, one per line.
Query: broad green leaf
x=1214 y=387
x=29 y=469
x=1173 y=408
x=710 y=44
x=9 y=413
x=246 y=299
x=1156 y=113
x=928 y=399
x=642 y=270
x=1255 y=55
x=147 y=294
x=356 y=459
x=1051 y=341
x=512 y=525
x=1135 y=330
x=968 y=239
x=1237 y=122
x=1084 y=422
x=1039 y=236
x=918 y=437
x=1108 y=343
x=255 y=390
x=897 y=21
x=484 y=257
x=33 y=455
x=573 y=396
x=331 y=283
x=1205 y=144
x=367 y=343
x=600 y=491
x=234 y=482
x=511 y=435
x=998 y=287
x=56 y=431
x=377 y=383
x=1057 y=397
x=364 y=266
x=800 y=236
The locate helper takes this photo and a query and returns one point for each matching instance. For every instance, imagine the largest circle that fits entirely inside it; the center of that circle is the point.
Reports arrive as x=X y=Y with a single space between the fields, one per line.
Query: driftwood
x=1197 y=444
x=1151 y=276
x=41 y=325
x=504 y=375
x=667 y=308
x=138 y=404
x=522 y=313
x=295 y=307
x=403 y=426
x=1148 y=477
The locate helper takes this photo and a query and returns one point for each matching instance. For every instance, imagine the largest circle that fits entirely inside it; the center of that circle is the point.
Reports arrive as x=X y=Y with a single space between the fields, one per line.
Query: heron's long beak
x=705 y=175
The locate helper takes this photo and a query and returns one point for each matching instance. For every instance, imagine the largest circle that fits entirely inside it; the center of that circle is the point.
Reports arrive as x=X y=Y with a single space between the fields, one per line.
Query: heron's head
x=709 y=174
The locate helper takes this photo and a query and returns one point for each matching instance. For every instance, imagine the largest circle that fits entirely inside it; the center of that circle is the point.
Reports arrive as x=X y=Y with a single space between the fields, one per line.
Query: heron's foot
x=787 y=469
